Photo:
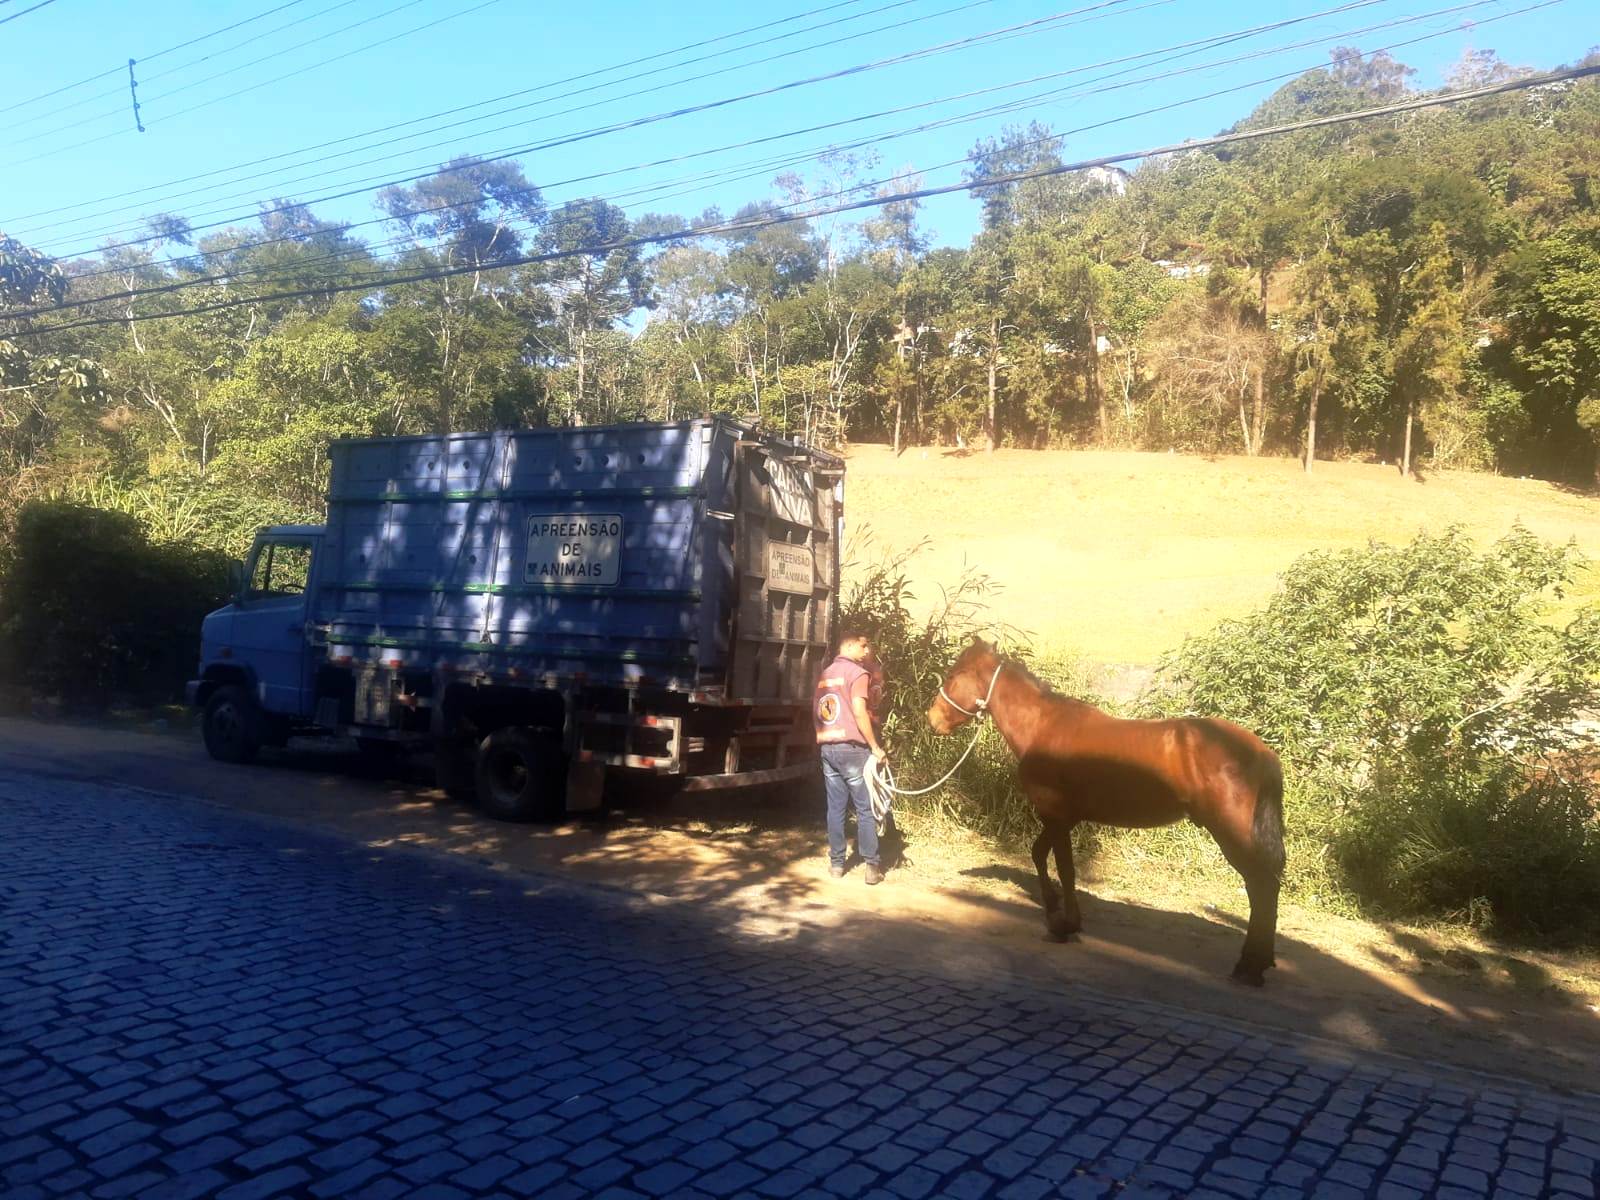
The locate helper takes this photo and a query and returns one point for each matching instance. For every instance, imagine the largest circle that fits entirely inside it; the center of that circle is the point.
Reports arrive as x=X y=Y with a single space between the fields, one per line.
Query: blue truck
x=541 y=607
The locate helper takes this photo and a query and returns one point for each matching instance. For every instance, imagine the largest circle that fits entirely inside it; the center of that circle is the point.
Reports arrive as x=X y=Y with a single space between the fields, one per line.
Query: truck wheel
x=521 y=776
x=232 y=725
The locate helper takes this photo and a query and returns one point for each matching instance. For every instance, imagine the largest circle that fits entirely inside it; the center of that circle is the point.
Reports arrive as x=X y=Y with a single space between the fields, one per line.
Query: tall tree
x=1553 y=290
x=1330 y=315
x=459 y=337
x=766 y=267
x=599 y=281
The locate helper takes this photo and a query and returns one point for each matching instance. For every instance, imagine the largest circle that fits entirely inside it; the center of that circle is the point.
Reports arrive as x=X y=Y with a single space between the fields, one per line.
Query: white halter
x=980 y=707
x=880 y=779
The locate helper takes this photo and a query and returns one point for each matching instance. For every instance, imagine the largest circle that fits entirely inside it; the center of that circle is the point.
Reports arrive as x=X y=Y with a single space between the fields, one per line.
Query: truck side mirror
x=235 y=578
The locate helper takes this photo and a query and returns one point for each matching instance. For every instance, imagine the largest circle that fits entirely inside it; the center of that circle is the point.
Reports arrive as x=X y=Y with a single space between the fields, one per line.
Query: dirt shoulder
x=954 y=906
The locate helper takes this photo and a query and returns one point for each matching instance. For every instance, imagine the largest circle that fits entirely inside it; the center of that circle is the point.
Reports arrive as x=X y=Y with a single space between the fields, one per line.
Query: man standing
x=848 y=738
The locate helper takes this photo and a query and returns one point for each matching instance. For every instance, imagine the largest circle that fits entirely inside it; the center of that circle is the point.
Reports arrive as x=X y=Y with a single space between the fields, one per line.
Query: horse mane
x=1046 y=688
x=1044 y=685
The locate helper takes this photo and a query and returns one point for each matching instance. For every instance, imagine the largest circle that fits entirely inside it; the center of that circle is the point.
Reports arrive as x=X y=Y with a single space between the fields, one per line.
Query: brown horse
x=1076 y=763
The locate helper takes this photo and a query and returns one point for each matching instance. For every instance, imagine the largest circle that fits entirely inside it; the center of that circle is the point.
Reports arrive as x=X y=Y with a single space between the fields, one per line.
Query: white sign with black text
x=791 y=569
x=574 y=549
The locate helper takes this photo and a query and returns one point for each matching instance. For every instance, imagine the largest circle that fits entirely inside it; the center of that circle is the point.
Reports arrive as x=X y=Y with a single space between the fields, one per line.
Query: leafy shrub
x=91 y=609
x=1428 y=721
x=186 y=509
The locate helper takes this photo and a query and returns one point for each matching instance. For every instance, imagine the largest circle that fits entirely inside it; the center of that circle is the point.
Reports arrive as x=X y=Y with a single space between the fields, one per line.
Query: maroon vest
x=834 y=711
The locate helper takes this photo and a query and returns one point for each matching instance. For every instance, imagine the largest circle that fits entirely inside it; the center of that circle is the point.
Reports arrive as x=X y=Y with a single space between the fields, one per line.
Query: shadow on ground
x=755 y=860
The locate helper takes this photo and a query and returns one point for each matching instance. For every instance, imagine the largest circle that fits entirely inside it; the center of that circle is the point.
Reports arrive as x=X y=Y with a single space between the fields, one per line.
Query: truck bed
x=697 y=557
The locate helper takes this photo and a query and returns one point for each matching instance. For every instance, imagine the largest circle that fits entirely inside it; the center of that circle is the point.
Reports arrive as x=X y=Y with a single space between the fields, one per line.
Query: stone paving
x=197 y=1004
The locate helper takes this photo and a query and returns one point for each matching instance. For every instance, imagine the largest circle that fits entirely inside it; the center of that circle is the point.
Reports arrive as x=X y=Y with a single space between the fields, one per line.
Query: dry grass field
x=1116 y=556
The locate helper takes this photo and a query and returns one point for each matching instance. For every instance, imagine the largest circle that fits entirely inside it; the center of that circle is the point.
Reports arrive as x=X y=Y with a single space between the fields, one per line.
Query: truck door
x=269 y=624
x=787 y=555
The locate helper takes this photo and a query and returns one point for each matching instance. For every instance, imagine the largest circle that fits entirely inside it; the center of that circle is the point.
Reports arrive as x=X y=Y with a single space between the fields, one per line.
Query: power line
x=117 y=70
x=109 y=113
x=1006 y=180
x=429 y=117
x=1162 y=55
x=116 y=91
x=104 y=137
x=26 y=11
x=687 y=110
x=599 y=71
x=733 y=173
x=1057 y=137
x=378 y=181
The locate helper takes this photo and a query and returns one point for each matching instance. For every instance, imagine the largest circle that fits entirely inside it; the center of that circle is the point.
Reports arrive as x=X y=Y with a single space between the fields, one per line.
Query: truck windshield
x=280 y=569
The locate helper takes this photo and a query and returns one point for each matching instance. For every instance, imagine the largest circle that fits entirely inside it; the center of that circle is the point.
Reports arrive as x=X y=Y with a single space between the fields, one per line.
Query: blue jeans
x=844 y=778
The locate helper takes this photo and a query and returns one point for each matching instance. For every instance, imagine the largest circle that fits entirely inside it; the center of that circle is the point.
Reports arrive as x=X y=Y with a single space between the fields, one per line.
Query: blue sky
x=64 y=197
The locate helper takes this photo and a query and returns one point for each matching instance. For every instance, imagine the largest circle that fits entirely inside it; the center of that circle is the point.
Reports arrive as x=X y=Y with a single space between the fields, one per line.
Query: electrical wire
x=104 y=137
x=418 y=120
x=362 y=49
x=781 y=161
x=1005 y=180
x=26 y=11
x=1172 y=54
x=151 y=77
x=670 y=114
x=118 y=70
x=421 y=133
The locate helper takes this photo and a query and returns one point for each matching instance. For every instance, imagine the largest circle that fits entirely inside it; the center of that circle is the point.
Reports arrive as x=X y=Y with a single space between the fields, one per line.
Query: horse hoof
x=1249 y=976
x=1061 y=927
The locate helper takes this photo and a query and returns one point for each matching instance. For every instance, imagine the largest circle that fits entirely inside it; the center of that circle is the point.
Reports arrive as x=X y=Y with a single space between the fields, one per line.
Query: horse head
x=966 y=688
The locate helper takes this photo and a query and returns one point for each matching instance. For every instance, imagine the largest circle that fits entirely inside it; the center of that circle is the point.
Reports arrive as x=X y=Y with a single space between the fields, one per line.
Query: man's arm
x=858 y=704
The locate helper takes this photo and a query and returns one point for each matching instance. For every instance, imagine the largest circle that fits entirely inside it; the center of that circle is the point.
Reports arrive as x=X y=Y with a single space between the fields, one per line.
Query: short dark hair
x=853 y=633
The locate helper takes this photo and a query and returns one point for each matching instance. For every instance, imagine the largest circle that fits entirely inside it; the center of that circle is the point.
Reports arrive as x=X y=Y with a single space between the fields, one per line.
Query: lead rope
x=881 y=786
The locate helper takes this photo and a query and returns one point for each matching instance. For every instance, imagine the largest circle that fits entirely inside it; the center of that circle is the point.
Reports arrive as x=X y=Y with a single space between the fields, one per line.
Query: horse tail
x=1267 y=824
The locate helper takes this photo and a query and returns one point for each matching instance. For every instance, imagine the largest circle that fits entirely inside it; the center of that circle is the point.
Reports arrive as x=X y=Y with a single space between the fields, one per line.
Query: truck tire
x=232 y=725
x=521 y=776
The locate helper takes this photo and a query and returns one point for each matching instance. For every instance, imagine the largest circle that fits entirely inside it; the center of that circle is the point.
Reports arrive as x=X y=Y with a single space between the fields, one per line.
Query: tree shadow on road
x=756 y=863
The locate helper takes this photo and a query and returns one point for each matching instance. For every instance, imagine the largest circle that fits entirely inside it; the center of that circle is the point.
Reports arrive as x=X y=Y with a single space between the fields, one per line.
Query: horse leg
x=1258 y=942
x=1069 y=920
x=1261 y=883
x=1041 y=862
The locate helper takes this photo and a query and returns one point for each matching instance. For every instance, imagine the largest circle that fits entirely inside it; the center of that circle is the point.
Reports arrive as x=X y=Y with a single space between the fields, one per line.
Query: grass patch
x=1117 y=556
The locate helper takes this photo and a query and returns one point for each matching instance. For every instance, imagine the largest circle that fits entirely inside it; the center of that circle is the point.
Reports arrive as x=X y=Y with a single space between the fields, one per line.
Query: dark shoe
x=874 y=874
x=836 y=872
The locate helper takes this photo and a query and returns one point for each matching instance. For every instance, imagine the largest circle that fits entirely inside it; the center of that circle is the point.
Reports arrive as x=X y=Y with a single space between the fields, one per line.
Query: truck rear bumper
x=191 y=693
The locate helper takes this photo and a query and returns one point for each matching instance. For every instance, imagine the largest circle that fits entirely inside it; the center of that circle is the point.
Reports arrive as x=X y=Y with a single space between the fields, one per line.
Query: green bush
x=92 y=610
x=185 y=509
x=1428 y=719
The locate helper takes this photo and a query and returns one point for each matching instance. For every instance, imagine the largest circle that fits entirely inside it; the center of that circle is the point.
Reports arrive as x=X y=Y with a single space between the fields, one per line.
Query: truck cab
x=257 y=665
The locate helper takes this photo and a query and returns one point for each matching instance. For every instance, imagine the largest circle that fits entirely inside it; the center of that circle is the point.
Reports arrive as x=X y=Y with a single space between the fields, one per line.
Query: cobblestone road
x=194 y=1004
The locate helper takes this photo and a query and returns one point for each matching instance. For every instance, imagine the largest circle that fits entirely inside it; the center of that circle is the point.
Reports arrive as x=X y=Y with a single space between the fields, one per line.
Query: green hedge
x=1428 y=715
x=92 y=611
